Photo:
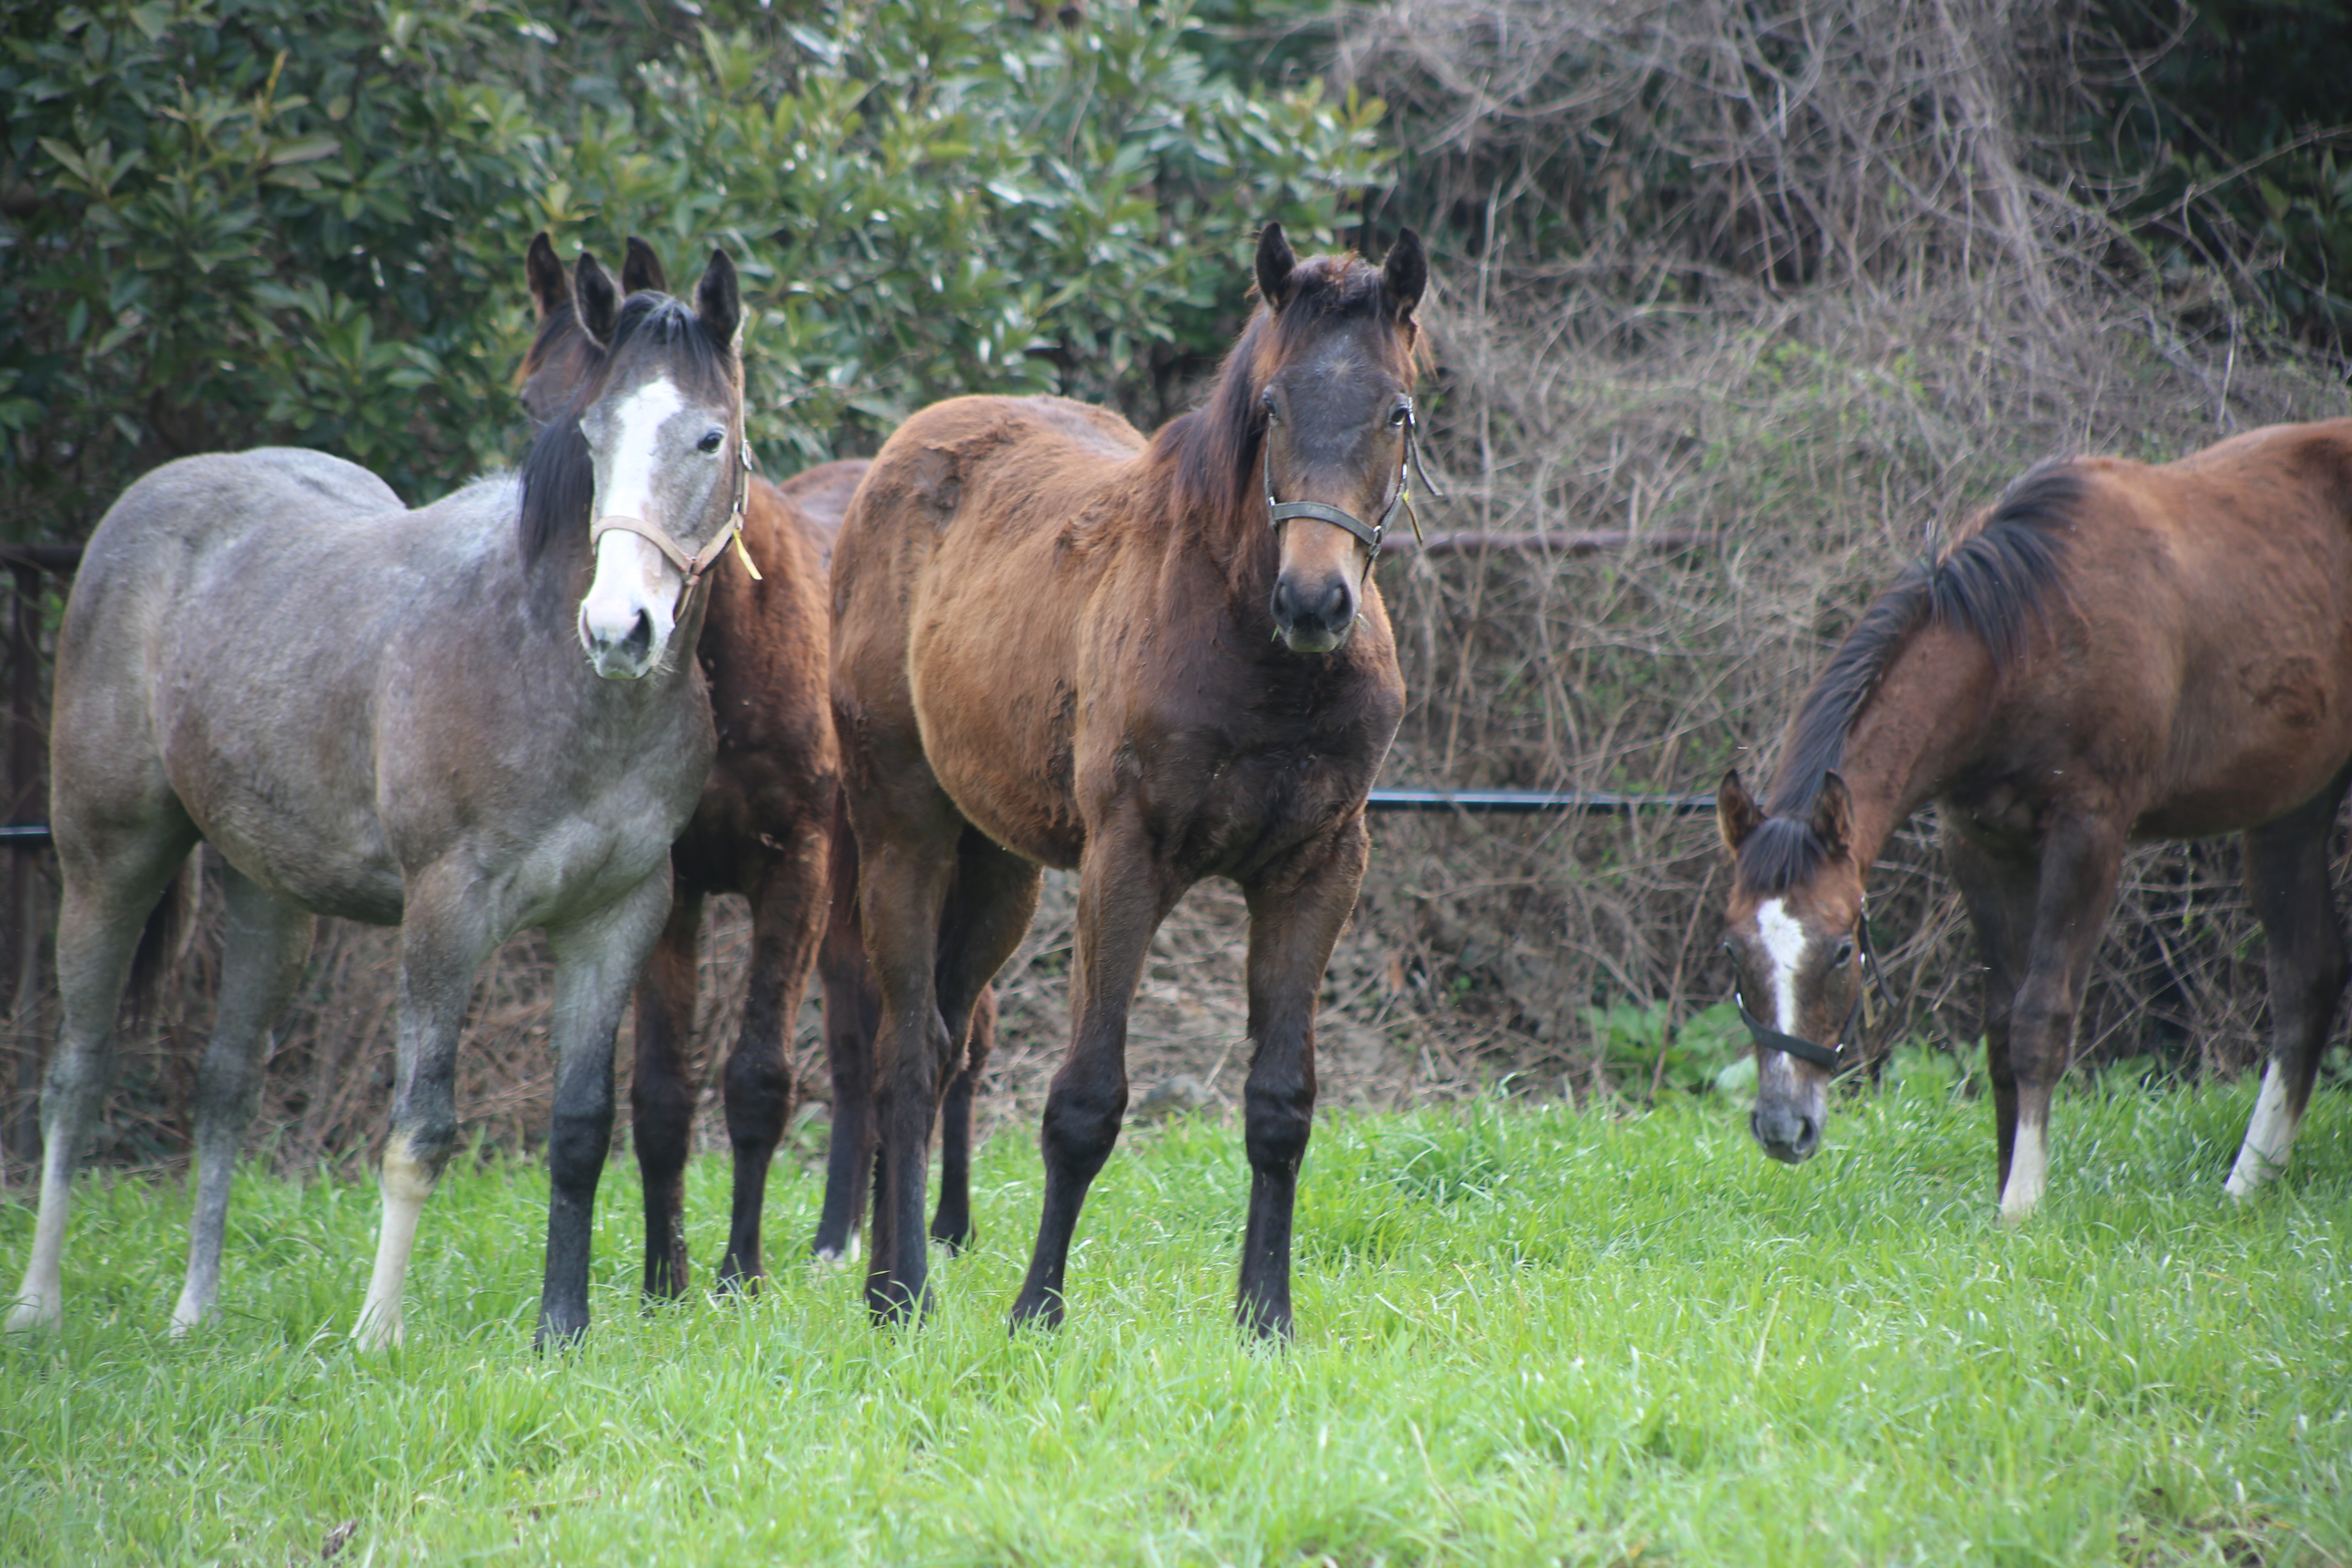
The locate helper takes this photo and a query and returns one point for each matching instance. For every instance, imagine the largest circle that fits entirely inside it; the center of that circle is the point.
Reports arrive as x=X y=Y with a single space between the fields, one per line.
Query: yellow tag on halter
x=746 y=554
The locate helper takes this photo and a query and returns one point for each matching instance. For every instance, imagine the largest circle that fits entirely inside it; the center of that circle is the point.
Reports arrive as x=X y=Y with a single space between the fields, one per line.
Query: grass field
x=1527 y=1335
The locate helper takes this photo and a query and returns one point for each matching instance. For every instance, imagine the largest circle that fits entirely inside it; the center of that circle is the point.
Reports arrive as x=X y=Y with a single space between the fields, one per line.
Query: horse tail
x=163 y=942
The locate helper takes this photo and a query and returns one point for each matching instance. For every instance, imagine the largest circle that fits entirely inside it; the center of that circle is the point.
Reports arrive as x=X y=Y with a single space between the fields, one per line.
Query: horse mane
x=1993 y=585
x=1208 y=453
x=559 y=476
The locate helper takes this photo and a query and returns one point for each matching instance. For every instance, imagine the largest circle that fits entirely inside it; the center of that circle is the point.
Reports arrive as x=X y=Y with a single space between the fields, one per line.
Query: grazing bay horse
x=2116 y=651
x=466 y=720
x=770 y=827
x=1055 y=644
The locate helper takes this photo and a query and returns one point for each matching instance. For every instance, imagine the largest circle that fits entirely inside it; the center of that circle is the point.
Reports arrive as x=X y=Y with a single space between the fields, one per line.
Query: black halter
x=1833 y=1055
x=1279 y=512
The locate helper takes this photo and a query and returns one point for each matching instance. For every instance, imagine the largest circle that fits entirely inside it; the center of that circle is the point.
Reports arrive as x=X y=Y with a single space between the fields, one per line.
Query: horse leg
x=2080 y=860
x=951 y=1223
x=2287 y=883
x=788 y=910
x=1122 y=898
x=267 y=945
x=1296 y=911
x=662 y=1091
x=903 y=888
x=106 y=901
x=853 y=1011
x=596 y=962
x=1998 y=889
x=987 y=909
x=443 y=940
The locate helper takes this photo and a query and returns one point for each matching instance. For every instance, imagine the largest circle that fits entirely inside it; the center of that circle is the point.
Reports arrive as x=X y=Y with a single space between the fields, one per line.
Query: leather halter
x=1369 y=533
x=691 y=566
x=1833 y=1055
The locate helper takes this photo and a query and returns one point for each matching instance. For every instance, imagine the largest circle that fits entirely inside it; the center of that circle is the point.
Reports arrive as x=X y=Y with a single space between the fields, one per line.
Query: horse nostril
x=1335 y=607
x=641 y=635
x=1808 y=1134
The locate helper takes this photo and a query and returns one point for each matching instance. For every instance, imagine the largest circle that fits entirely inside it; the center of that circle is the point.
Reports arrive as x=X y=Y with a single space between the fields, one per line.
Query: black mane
x=1212 y=448
x=559 y=479
x=1993 y=585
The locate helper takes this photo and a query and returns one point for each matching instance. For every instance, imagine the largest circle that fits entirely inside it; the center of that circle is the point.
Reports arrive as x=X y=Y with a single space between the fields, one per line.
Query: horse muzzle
x=628 y=616
x=1315 y=617
x=1786 y=1133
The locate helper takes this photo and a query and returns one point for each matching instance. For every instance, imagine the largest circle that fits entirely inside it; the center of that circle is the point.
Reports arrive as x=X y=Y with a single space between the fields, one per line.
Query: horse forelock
x=1211 y=452
x=1781 y=853
x=1993 y=584
x=558 y=473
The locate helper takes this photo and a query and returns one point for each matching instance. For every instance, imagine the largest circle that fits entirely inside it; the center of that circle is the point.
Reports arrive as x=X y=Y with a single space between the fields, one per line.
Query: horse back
x=2211 y=603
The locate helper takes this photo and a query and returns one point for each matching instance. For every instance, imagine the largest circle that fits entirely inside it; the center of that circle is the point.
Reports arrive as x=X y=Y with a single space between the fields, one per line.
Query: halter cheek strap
x=1370 y=533
x=691 y=566
x=1831 y=1056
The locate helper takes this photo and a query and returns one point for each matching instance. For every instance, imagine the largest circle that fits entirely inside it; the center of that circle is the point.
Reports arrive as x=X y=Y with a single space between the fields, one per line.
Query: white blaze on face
x=2270 y=1137
x=632 y=577
x=1784 y=941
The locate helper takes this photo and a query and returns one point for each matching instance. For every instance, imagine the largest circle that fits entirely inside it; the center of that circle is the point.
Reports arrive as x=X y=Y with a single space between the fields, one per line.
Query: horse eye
x=1399 y=415
x=1844 y=950
x=709 y=442
x=1272 y=416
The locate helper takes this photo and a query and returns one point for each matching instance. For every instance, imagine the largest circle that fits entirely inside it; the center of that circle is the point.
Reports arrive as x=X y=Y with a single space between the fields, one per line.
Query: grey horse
x=471 y=720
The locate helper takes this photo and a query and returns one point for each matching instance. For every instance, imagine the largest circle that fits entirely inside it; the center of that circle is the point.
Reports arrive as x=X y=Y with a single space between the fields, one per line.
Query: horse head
x=645 y=454
x=1333 y=359
x=1794 y=931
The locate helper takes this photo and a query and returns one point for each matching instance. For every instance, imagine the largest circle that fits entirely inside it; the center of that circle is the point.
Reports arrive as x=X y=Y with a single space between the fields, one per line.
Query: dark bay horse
x=2116 y=651
x=467 y=721
x=769 y=828
x=1055 y=644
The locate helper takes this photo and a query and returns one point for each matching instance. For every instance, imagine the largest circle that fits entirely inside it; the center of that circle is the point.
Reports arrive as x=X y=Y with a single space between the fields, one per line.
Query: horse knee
x=661 y=1121
x=1275 y=1128
x=1081 y=1124
x=577 y=1142
x=759 y=1096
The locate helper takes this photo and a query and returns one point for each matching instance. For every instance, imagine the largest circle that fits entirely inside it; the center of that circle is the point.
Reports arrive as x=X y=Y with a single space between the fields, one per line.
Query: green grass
x=1526 y=1336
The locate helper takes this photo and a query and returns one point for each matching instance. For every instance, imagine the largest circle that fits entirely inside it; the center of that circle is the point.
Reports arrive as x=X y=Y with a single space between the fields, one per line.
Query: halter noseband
x=1830 y=1056
x=692 y=566
x=1370 y=533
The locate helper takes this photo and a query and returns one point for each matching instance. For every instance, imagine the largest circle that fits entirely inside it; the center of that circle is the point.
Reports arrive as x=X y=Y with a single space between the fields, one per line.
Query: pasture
x=1527 y=1335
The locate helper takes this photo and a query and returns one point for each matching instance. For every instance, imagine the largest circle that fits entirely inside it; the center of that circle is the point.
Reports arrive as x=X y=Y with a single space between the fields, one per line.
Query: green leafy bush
x=231 y=222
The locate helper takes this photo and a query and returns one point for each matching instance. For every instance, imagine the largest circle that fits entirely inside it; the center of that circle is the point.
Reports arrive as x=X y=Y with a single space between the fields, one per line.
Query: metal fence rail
x=1529 y=802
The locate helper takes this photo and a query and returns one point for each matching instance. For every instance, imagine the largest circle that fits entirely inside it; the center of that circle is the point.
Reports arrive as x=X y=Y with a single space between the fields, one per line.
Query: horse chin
x=1303 y=639
x=620 y=666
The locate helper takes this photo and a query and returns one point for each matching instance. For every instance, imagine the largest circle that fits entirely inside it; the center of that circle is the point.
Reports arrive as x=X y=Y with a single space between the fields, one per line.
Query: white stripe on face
x=1784 y=941
x=636 y=424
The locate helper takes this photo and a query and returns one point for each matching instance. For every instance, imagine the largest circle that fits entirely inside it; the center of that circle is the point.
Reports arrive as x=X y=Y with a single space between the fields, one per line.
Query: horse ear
x=1833 y=815
x=1736 y=814
x=641 y=269
x=1275 y=265
x=718 y=301
x=1405 y=273
x=551 y=286
x=599 y=295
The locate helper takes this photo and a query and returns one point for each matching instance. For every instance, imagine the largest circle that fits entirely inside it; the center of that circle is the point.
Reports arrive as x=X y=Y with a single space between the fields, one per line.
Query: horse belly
x=998 y=718
x=2267 y=733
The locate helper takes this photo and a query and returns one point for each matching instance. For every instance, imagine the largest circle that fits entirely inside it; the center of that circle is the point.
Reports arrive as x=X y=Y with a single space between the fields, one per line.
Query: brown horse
x=2116 y=651
x=1057 y=645
x=769 y=828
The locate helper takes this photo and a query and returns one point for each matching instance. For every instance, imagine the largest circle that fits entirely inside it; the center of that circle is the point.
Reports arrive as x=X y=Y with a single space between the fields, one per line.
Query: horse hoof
x=1045 y=1313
